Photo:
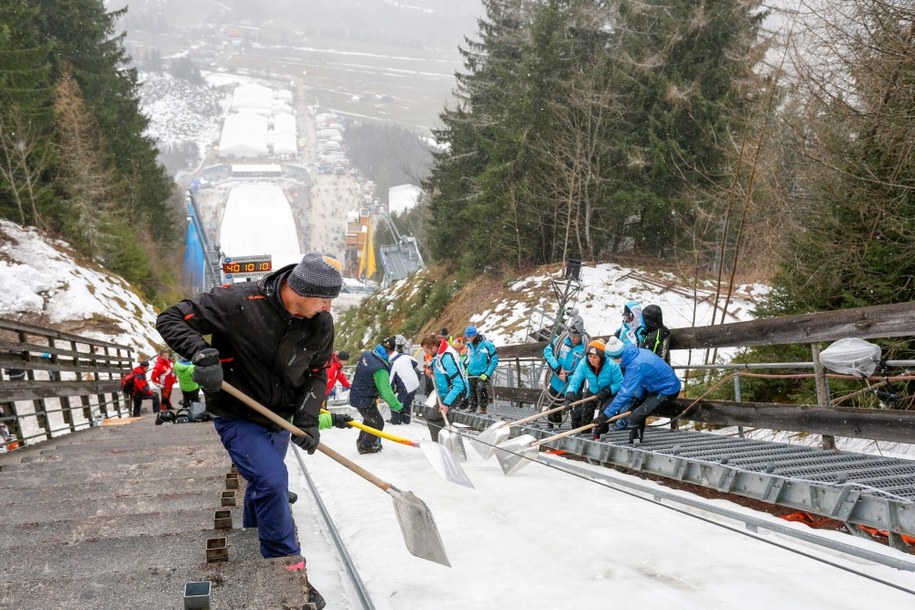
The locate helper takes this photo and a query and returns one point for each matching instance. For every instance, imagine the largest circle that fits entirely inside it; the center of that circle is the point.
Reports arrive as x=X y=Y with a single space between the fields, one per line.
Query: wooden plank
x=879 y=321
x=35 y=390
x=12 y=325
x=874 y=424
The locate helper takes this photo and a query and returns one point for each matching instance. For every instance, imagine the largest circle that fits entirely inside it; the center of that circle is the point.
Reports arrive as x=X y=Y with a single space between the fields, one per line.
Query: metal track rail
x=348 y=564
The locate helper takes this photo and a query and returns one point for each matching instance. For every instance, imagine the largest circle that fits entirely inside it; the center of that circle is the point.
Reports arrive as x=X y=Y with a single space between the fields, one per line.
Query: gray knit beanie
x=318 y=276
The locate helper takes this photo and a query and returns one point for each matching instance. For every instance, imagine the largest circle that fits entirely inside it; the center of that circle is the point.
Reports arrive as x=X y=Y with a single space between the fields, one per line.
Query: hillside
x=507 y=309
x=45 y=282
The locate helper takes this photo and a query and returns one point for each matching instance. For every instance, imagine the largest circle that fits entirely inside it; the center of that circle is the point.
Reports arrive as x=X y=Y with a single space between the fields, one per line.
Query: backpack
x=127 y=383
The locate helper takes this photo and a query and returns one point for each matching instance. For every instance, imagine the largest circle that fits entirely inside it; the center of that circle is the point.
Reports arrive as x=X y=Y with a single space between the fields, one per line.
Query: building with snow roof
x=403 y=198
x=243 y=136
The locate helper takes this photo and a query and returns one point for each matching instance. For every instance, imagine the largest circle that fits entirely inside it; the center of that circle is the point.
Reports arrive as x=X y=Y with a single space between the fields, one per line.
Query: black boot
x=316 y=598
x=292 y=497
x=634 y=434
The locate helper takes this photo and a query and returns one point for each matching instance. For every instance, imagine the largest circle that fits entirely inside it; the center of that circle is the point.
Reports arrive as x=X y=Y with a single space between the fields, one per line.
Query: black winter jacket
x=266 y=353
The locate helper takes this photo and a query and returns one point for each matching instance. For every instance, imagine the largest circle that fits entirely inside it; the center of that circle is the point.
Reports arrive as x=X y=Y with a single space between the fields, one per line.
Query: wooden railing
x=53 y=383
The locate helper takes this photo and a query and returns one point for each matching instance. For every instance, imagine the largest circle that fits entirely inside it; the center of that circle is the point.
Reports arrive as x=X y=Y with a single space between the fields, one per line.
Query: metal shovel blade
x=453 y=442
x=419 y=531
x=444 y=464
x=515 y=454
x=486 y=441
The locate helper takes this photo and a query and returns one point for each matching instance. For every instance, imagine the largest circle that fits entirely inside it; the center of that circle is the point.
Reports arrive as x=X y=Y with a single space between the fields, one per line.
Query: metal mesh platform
x=870 y=490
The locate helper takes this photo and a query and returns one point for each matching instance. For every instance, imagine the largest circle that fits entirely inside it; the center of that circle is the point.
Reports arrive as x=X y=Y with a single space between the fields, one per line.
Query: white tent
x=252 y=97
x=244 y=135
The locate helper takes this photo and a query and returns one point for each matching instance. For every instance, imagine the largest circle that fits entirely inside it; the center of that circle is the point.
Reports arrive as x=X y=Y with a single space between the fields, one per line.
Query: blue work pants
x=259 y=455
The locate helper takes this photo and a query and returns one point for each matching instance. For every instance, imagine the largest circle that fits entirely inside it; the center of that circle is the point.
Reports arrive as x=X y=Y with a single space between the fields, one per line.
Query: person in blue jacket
x=372 y=382
x=482 y=361
x=631 y=329
x=648 y=384
x=562 y=355
x=603 y=377
x=448 y=378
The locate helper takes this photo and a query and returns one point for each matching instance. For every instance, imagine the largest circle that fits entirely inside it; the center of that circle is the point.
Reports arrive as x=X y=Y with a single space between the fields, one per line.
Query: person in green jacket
x=184 y=371
x=372 y=382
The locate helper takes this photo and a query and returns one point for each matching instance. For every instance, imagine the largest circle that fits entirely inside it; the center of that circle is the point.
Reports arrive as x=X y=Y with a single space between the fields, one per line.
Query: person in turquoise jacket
x=562 y=355
x=648 y=384
x=603 y=377
x=449 y=379
x=632 y=328
x=482 y=361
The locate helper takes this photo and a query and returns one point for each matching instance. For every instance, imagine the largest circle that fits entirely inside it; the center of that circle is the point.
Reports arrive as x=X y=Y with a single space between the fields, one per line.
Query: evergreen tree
x=26 y=115
x=83 y=35
x=859 y=241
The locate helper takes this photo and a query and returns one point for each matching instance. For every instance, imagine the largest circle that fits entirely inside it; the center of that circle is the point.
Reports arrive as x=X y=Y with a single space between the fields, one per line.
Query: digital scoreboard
x=246 y=267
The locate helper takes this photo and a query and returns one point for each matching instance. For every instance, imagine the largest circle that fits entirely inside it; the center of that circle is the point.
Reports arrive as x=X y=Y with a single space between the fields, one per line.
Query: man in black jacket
x=272 y=340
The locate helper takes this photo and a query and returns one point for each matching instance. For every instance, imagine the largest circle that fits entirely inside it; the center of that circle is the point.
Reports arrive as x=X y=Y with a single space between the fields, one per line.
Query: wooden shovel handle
x=556 y=437
x=531 y=418
x=279 y=421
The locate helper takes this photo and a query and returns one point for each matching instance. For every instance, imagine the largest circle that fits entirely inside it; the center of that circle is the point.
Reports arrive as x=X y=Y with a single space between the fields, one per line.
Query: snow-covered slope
x=43 y=282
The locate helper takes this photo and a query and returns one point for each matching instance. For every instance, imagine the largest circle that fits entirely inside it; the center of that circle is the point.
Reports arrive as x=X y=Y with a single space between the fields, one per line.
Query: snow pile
x=43 y=282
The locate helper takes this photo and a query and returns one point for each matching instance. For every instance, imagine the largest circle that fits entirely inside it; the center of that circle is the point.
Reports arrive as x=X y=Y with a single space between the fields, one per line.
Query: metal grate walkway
x=873 y=491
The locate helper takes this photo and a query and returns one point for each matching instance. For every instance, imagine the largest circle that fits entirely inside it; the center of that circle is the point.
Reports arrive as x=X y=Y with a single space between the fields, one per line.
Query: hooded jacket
x=631 y=332
x=372 y=381
x=645 y=374
x=481 y=356
x=450 y=382
x=277 y=359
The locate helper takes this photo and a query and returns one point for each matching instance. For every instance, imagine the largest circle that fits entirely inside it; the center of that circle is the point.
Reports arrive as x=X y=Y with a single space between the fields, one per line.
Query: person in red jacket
x=335 y=372
x=141 y=389
x=163 y=375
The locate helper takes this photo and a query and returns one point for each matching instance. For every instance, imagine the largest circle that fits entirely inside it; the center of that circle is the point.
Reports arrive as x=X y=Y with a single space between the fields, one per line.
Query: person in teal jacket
x=632 y=328
x=603 y=377
x=449 y=379
x=562 y=355
x=482 y=361
x=648 y=384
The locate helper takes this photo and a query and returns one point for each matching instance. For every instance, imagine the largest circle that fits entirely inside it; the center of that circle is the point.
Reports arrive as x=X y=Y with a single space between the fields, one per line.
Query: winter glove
x=484 y=377
x=603 y=395
x=207 y=369
x=570 y=398
x=335 y=420
x=310 y=442
x=600 y=420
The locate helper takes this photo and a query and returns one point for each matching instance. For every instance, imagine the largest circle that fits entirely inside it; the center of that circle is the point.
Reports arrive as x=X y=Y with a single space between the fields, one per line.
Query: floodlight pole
x=571 y=275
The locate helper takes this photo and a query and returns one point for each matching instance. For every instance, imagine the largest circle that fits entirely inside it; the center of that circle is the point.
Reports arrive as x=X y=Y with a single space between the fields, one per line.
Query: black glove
x=556 y=369
x=310 y=442
x=341 y=420
x=603 y=395
x=570 y=398
x=207 y=369
x=600 y=420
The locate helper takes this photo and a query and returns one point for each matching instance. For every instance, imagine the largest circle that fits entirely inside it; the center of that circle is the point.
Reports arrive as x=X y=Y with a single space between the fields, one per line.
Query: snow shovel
x=487 y=440
x=416 y=523
x=452 y=441
x=442 y=460
x=520 y=451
